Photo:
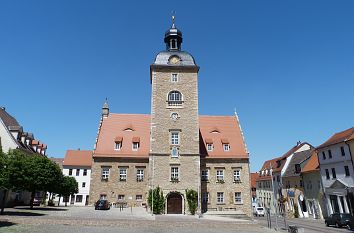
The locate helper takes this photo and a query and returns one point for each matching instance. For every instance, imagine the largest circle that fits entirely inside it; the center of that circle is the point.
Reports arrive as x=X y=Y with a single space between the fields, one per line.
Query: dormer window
x=210 y=146
x=297 y=168
x=135 y=146
x=118 y=145
x=174 y=98
x=226 y=146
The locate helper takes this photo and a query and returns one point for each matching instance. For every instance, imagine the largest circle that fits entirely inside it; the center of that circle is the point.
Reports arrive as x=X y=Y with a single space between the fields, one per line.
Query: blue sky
x=287 y=66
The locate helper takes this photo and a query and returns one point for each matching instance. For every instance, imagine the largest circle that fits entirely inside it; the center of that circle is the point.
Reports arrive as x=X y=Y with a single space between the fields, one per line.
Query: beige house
x=174 y=148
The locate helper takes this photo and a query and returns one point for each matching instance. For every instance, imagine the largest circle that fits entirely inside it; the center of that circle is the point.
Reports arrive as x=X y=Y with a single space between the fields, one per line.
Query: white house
x=77 y=163
x=337 y=172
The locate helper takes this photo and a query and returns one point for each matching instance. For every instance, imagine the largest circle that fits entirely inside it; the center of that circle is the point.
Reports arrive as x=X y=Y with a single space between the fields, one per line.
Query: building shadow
x=4 y=223
x=41 y=208
x=21 y=213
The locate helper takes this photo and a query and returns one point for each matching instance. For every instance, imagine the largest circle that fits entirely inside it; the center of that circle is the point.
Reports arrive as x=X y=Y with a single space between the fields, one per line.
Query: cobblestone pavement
x=87 y=220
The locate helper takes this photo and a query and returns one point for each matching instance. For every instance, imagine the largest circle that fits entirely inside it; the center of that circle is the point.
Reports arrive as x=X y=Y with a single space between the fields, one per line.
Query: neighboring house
x=77 y=163
x=314 y=194
x=293 y=186
x=254 y=176
x=173 y=148
x=55 y=198
x=335 y=158
x=58 y=161
x=275 y=168
x=13 y=137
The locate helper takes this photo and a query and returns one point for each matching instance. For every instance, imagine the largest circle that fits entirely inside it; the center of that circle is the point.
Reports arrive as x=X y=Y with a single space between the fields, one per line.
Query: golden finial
x=173 y=18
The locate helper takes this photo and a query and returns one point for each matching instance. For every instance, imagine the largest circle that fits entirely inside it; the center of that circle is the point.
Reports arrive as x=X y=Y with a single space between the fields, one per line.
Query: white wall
x=7 y=141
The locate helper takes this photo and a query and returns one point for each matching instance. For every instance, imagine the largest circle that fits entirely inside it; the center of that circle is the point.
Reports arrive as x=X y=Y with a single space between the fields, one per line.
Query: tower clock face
x=174 y=116
x=174 y=60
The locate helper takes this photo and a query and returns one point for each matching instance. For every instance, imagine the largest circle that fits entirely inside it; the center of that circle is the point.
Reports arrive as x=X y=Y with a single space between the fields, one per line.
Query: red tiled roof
x=254 y=176
x=78 y=158
x=338 y=137
x=116 y=124
x=312 y=164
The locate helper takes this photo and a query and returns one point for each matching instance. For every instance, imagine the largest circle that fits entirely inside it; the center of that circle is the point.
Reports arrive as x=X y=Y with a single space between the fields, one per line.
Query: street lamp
x=274 y=203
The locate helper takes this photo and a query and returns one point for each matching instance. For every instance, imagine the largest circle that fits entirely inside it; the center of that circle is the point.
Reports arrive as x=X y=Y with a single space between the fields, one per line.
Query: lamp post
x=274 y=199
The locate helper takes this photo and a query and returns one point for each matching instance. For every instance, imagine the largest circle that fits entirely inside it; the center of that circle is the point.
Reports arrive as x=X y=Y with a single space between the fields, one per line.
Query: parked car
x=339 y=220
x=102 y=205
x=37 y=201
x=259 y=211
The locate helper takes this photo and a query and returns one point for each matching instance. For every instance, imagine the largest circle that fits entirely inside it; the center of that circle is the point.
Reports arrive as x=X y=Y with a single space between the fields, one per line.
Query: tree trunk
x=32 y=199
x=3 y=202
x=59 y=200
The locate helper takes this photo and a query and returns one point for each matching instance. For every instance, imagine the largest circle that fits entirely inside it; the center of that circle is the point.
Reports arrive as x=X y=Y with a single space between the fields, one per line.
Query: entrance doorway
x=174 y=203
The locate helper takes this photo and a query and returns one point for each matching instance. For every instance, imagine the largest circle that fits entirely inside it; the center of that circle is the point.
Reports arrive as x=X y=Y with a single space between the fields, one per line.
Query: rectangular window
x=139 y=175
x=174 y=152
x=220 y=176
x=238 y=198
x=327 y=174
x=174 y=138
x=78 y=198
x=297 y=168
x=220 y=197
x=105 y=173
x=77 y=172
x=174 y=174
x=346 y=169
x=205 y=175
x=237 y=175
x=83 y=184
x=226 y=147
x=135 y=146
x=174 y=78
x=120 y=197
x=334 y=173
x=118 y=145
x=323 y=155
x=342 y=151
x=278 y=178
x=210 y=147
x=329 y=154
x=205 y=197
x=139 y=197
x=70 y=172
x=122 y=174
x=85 y=172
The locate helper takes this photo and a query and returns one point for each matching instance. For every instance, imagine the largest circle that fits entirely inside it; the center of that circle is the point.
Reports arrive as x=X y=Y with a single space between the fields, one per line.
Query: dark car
x=339 y=220
x=102 y=205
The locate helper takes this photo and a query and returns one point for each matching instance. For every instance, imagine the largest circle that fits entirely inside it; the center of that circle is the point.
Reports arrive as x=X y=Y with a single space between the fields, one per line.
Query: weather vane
x=173 y=16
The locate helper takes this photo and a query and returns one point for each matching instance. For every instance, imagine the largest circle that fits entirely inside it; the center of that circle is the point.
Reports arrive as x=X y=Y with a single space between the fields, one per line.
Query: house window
x=139 y=197
x=120 y=197
x=334 y=173
x=122 y=174
x=297 y=168
x=174 y=174
x=327 y=174
x=83 y=184
x=103 y=197
x=210 y=147
x=174 y=98
x=174 y=78
x=278 y=178
x=118 y=145
x=237 y=175
x=135 y=146
x=205 y=175
x=342 y=151
x=323 y=155
x=205 y=197
x=174 y=138
x=85 y=172
x=174 y=152
x=219 y=175
x=78 y=198
x=173 y=44
x=220 y=197
x=77 y=172
x=346 y=169
x=140 y=175
x=226 y=147
x=70 y=172
x=329 y=154
x=238 y=198
x=105 y=173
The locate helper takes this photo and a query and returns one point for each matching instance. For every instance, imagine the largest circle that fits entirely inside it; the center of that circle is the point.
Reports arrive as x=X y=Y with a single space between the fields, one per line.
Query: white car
x=259 y=211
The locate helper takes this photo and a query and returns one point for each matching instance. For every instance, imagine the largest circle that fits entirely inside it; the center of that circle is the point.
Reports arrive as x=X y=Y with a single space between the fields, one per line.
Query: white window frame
x=175 y=98
x=174 y=77
x=226 y=146
x=205 y=176
x=123 y=171
x=77 y=172
x=237 y=175
x=210 y=146
x=118 y=145
x=138 y=199
x=220 y=198
x=140 y=175
x=105 y=173
x=220 y=175
x=121 y=197
x=238 y=198
x=175 y=137
x=135 y=146
x=174 y=173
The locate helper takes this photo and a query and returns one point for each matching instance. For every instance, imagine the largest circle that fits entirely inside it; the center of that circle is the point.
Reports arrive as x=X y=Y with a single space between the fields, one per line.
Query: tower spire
x=173 y=19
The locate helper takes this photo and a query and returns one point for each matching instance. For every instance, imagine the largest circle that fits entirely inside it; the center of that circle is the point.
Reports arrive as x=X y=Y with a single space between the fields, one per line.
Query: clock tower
x=174 y=157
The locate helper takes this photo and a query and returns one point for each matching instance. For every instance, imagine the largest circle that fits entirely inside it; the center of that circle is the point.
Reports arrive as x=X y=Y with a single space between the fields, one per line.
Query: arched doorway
x=174 y=203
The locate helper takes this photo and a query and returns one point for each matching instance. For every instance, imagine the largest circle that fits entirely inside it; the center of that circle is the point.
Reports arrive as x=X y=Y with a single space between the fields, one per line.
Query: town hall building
x=174 y=147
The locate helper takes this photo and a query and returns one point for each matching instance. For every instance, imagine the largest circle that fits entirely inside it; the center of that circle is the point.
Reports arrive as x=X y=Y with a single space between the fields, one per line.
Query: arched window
x=174 y=98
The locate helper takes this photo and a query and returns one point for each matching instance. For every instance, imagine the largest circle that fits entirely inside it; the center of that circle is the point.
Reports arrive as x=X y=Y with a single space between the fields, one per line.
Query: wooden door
x=174 y=204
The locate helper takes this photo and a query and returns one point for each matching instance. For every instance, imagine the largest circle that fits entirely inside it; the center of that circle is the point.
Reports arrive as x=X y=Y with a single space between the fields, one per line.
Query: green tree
x=156 y=200
x=67 y=187
x=5 y=183
x=32 y=172
x=192 y=199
